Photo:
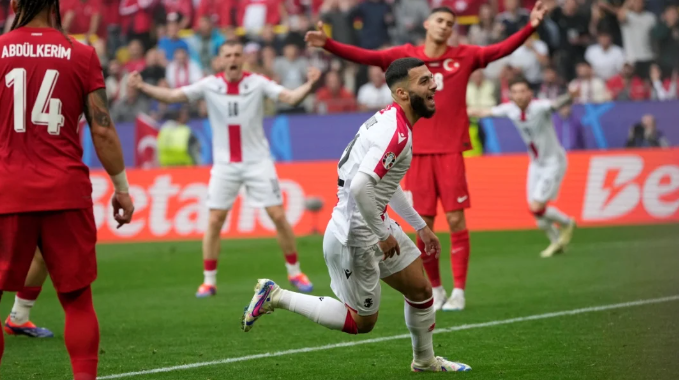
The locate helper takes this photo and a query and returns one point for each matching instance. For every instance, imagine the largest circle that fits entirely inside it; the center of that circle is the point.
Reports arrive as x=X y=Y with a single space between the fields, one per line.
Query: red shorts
x=66 y=239
x=434 y=176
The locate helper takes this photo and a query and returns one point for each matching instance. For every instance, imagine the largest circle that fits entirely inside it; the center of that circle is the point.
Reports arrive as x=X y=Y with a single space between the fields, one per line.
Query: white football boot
x=439 y=364
x=552 y=250
x=566 y=234
x=456 y=302
x=260 y=304
x=440 y=297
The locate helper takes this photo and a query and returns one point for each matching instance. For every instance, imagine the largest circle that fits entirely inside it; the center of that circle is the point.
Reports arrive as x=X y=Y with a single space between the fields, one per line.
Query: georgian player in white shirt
x=362 y=244
x=533 y=119
x=235 y=104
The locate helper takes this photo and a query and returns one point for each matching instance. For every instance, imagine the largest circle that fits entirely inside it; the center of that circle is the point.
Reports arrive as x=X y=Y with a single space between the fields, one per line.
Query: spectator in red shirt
x=628 y=86
x=137 y=19
x=81 y=17
x=219 y=12
x=136 y=61
x=334 y=98
x=182 y=7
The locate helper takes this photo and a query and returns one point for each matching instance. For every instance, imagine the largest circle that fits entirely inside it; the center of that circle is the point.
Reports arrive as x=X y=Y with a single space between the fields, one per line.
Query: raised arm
x=109 y=151
x=294 y=97
x=496 y=51
x=381 y=58
x=165 y=95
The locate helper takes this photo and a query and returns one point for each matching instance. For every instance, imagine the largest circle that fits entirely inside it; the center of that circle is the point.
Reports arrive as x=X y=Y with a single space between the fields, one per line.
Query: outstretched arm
x=496 y=51
x=479 y=112
x=380 y=58
x=165 y=95
x=294 y=97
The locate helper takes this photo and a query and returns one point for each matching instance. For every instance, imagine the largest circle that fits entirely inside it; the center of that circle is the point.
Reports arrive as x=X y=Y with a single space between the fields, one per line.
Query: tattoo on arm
x=96 y=109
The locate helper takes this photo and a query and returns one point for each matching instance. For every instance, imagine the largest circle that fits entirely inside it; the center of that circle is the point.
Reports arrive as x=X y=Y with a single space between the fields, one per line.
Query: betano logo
x=625 y=187
x=618 y=185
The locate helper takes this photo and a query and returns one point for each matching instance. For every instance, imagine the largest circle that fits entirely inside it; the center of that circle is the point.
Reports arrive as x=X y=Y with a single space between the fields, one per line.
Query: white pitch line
x=393 y=337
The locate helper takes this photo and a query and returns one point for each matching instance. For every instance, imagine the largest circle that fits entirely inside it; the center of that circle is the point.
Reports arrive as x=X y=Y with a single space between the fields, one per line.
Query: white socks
x=21 y=311
x=325 y=311
x=547 y=226
x=555 y=215
x=421 y=319
x=293 y=269
x=210 y=277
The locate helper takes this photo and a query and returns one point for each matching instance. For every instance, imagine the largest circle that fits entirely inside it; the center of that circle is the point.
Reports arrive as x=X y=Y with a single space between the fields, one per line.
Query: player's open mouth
x=430 y=99
x=233 y=67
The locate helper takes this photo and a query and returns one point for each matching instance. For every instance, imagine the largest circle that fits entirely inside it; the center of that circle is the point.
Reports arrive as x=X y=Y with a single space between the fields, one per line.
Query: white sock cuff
x=421 y=304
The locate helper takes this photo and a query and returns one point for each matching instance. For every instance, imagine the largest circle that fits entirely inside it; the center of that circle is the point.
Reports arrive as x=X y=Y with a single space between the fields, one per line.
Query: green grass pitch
x=150 y=318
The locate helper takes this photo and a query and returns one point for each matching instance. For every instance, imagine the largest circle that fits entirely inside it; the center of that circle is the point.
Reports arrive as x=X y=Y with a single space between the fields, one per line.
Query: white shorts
x=259 y=178
x=544 y=181
x=355 y=272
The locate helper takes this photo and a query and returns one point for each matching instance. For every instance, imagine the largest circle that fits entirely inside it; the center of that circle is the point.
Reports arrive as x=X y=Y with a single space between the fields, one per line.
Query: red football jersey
x=448 y=130
x=46 y=80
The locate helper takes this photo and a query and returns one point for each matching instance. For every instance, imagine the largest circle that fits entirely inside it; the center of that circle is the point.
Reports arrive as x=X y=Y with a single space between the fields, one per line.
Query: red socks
x=459 y=257
x=291 y=258
x=29 y=293
x=209 y=264
x=350 y=325
x=431 y=265
x=81 y=333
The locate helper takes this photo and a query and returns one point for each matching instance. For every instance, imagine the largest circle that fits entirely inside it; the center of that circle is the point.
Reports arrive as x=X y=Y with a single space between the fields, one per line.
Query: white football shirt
x=535 y=127
x=382 y=148
x=236 y=114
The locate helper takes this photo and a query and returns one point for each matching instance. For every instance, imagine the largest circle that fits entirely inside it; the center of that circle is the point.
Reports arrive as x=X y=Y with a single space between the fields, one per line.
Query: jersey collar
x=401 y=115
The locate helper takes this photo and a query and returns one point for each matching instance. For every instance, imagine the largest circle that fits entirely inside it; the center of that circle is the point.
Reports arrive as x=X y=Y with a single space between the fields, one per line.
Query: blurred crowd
x=626 y=50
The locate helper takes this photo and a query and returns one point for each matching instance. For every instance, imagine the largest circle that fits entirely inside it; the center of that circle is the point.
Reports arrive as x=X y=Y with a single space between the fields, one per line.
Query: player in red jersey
x=438 y=170
x=50 y=80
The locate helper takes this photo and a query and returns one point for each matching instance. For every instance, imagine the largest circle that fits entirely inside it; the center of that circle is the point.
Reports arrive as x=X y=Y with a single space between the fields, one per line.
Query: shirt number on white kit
x=438 y=78
x=40 y=115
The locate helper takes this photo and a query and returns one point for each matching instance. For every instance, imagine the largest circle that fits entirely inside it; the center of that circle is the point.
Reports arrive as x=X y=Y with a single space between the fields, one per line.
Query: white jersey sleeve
x=542 y=105
x=501 y=110
x=272 y=90
x=196 y=91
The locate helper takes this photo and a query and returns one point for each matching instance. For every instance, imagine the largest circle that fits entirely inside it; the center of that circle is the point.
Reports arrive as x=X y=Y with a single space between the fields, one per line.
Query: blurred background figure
x=591 y=88
x=333 y=97
x=177 y=146
x=628 y=85
x=645 y=134
x=605 y=58
x=290 y=71
x=552 y=85
x=374 y=95
x=205 y=43
x=636 y=25
x=487 y=31
x=182 y=71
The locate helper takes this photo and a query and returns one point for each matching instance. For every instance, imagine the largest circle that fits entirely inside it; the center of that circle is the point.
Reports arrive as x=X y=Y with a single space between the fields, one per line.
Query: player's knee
x=421 y=291
x=456 y=221
x=217 y=218
x=537 y=209
x=364 y=323
x=365 y=326
x=277 y=215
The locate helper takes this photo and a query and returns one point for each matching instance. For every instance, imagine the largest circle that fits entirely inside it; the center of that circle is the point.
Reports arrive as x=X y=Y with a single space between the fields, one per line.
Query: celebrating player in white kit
x=235 y=104
x=362 y=244
x=533 y=119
